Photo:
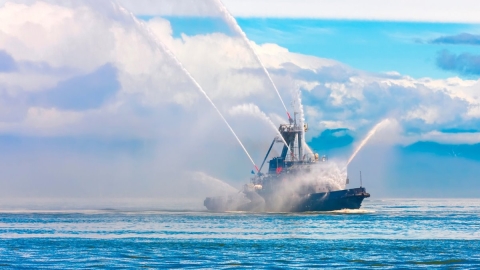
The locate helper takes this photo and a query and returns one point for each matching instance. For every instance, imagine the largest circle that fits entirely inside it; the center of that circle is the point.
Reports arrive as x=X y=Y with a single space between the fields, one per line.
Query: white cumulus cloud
x=87 y=70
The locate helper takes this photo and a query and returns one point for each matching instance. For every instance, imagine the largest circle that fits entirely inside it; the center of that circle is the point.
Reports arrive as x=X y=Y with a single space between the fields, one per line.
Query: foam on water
x=353 y=211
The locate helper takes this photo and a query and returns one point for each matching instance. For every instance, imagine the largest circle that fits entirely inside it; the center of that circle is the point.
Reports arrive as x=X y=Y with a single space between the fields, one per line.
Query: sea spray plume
x=318 y=178
x=160 y=46
x=323 y=177
x=230 y=20
x=367 y=138
x=216 y=186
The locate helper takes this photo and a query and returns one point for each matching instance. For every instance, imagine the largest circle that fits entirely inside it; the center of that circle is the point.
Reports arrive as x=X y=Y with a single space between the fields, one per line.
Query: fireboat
x=292 y=183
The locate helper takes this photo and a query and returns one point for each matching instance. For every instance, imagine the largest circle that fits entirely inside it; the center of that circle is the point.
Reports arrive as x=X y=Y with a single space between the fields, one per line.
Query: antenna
x=361 y=179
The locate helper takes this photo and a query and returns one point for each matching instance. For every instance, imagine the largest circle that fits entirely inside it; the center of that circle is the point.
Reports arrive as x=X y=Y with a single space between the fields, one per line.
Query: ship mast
x=292 y=134
x=361 y=184
x=299 y=142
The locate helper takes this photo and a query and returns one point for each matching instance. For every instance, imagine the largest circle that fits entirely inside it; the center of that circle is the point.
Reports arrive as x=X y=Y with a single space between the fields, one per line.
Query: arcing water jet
x=255 y=111
x=367 y=138
x=162 y=48
x=230 y=20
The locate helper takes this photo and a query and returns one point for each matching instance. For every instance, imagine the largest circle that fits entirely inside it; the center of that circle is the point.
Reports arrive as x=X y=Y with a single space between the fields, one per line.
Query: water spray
x=297 y=95
x=276 y=130
x=233 y=23
x=253 y=109
x=367 y=138
x=162 y=48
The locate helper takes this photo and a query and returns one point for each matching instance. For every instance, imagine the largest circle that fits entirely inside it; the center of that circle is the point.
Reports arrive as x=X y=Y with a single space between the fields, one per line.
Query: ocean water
x=429 y=234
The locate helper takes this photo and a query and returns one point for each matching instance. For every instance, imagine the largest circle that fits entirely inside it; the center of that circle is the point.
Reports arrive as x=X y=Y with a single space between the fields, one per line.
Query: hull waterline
x=323 y=201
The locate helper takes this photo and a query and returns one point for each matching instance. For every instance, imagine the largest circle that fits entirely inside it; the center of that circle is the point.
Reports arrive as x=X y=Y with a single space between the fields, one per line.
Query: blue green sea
x=397 y=234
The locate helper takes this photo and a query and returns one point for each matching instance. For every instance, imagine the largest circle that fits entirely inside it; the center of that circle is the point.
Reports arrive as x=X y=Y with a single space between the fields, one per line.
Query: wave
x=353 y=211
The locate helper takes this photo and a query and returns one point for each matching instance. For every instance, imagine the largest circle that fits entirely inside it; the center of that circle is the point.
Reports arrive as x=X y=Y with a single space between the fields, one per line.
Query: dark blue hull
x=331 y=201
x=325 y=201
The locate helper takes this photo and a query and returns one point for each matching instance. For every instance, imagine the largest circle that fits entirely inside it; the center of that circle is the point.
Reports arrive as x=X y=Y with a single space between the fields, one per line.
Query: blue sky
x=377 y=46
x=368 y=45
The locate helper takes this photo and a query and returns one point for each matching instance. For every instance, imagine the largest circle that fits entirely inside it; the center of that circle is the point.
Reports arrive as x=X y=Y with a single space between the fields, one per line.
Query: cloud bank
x=93 y=106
